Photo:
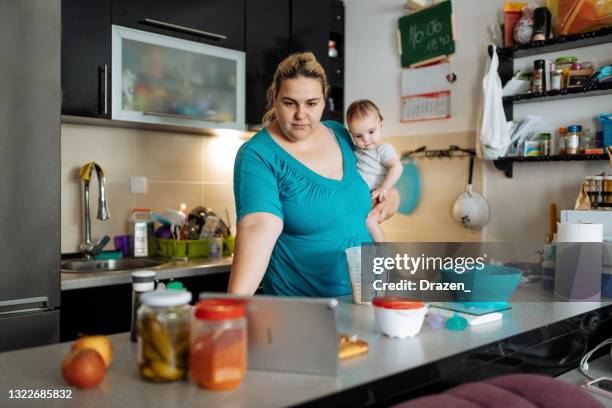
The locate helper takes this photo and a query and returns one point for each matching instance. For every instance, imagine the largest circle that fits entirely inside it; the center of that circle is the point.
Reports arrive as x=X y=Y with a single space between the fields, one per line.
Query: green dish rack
x=187 y=248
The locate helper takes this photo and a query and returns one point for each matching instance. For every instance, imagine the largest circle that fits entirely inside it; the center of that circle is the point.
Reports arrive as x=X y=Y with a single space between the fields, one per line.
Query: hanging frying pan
x=471 y=209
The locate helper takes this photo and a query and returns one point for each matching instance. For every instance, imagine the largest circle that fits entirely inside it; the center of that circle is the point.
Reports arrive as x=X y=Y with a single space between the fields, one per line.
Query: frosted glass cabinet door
x=165 y=80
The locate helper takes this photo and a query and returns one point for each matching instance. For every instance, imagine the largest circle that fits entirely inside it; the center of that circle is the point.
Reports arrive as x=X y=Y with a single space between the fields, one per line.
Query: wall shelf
x=506 y=164
x=557 y=95
x=564 y=42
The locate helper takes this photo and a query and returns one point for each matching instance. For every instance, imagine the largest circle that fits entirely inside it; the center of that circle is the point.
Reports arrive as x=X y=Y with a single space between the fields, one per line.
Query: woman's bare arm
x=256 y=236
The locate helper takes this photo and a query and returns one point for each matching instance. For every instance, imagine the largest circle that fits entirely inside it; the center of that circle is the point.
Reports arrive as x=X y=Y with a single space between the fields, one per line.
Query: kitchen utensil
x=409 y=187
x=470 y=208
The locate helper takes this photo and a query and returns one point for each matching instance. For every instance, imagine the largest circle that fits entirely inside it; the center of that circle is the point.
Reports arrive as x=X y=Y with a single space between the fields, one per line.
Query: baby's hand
x=380 y=194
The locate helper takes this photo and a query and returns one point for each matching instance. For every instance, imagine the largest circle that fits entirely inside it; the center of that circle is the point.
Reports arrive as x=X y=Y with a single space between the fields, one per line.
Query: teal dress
x=321 y=216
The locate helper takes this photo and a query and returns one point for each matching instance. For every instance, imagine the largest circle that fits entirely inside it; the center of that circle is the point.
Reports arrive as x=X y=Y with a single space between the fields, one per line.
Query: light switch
x=138 y=185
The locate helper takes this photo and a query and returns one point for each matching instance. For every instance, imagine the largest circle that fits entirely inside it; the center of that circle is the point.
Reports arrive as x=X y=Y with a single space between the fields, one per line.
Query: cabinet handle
x=179 y=116
x=188 y=30
x=105 y=69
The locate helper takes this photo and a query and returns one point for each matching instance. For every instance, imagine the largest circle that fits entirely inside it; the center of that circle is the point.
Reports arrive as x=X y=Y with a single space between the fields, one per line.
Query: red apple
x=83 y=368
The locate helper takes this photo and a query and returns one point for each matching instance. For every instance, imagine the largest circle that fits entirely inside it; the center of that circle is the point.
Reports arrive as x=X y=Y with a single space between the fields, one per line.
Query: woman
x=299 y=198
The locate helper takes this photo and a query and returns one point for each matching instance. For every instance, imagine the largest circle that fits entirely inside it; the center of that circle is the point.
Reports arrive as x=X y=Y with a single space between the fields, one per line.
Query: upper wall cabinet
x=215 y=22
x=267 y=44
x=86 y=58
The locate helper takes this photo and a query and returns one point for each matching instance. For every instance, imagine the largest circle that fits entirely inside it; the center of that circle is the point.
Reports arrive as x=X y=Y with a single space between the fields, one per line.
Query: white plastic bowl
x=400 y=323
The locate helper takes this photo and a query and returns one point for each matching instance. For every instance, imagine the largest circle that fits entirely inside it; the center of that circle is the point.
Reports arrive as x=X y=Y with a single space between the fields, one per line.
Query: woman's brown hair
x=299 y=64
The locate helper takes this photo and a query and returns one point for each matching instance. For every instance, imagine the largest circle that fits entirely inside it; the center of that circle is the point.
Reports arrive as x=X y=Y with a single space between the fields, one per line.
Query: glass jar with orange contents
x=218 y=357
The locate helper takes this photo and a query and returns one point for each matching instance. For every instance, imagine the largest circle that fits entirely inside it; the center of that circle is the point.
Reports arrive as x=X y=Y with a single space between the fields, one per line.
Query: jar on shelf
x=573 y=139
x=545 y=144
x=562 y=149
x=594 y=190
x=163 y=335
x=556 y=79
x=565 y=65
x=218 y=358
x=539 y=76
x=587 y=141
x=607 y=190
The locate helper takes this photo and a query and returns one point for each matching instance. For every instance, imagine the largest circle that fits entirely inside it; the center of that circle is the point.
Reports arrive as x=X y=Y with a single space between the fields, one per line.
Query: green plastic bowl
x=494 y=283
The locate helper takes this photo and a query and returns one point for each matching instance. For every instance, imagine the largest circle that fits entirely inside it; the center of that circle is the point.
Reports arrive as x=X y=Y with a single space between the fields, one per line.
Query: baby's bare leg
x=375 y=230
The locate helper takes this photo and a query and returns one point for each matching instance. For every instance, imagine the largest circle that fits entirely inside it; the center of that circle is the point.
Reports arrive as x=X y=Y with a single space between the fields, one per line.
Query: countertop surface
x=39 y=368
x=171 y=269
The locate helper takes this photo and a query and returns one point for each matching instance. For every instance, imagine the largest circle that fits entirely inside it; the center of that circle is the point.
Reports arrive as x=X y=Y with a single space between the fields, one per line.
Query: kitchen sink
x=107 y=265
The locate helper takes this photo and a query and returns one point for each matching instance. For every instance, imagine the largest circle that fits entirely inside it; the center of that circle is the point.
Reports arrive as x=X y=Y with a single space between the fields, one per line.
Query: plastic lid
x=141 y=210
x=175 y=285
x=161 y=298
x=143 y=276
x=220 y=309
x=396 y=302
x=563 y=130
x=544 y=136
x=574 y=128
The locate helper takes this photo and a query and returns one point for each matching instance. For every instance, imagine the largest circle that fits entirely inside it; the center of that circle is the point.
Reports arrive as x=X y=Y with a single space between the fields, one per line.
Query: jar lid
x=598 y=178
x=576 y=65
x=396 y=302
x=566 y=60
x=143 y=276
x=161 y=298
x=175 y=285
x=544 y=136
x=574 y=128
x=220 y=309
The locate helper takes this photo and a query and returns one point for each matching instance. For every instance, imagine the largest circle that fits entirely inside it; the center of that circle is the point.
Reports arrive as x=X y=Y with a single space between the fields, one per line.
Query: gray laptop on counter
x=295 y=335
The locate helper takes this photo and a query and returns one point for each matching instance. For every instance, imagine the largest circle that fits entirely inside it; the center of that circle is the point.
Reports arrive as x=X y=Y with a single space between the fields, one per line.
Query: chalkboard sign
x=427 y=35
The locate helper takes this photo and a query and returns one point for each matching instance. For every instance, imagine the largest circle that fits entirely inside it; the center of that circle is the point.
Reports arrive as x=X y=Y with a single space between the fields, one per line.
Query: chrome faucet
x=88 y=248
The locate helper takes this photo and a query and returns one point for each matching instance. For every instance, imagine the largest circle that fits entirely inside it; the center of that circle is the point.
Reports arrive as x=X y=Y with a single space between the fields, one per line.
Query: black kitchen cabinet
x=313 y=25
x=267 y=44
x=86 y=58
x=189 y=19
x=108 y=309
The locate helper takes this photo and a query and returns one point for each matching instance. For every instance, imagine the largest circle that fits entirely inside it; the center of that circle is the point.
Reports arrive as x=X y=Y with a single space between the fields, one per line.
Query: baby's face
x=366 y=131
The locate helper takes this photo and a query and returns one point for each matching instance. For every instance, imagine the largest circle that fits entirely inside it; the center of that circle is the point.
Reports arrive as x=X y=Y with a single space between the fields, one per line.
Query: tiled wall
x=180 y=168
x=197 y=170
x=442 y=180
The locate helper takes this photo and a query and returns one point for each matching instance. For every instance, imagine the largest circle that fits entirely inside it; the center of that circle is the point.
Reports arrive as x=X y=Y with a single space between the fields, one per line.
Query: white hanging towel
x=493 y=134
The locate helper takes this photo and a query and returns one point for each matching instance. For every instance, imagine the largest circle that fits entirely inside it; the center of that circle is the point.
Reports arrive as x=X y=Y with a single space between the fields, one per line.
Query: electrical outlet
x=138 y=185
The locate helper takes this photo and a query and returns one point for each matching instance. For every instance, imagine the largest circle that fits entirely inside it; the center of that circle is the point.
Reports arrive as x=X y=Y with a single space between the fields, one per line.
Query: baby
x=378 y=164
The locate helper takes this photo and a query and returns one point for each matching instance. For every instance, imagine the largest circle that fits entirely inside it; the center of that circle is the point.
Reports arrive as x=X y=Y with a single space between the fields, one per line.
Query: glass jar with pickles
x=163 y=335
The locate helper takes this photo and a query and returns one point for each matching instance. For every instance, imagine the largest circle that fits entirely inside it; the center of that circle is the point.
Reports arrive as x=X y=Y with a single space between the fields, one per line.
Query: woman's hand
x=386 y=208
x=256 y=236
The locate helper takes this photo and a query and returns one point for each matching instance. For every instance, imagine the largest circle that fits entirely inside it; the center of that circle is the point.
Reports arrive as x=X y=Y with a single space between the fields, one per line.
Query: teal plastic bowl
x=494 y=283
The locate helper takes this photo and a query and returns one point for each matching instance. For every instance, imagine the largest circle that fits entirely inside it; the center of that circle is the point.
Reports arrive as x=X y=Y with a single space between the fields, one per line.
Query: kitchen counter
x=390 y=368
x=170 y=270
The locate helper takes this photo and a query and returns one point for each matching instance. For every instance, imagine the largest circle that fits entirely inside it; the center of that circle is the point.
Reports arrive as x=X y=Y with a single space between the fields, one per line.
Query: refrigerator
x=29 y=172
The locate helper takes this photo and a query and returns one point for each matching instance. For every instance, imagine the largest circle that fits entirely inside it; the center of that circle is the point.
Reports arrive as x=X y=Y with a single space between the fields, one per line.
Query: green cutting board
x=427 y=34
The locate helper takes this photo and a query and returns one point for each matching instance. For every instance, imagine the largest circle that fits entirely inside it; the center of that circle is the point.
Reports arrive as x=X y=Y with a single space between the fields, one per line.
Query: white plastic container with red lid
x=399 y=317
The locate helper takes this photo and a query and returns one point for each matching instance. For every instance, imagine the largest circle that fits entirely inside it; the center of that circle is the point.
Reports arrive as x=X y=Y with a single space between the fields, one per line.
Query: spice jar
x=163 y=335
x=218 y=357
x=555 y=79
x=607 y=193
x=565 y=65
x=573 y=139
x=594 y=190
x=562 y=141
x=545 y=144
x=539 y=77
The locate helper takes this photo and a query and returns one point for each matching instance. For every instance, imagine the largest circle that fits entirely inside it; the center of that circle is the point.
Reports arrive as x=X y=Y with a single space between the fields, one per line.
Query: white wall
x=519 y=205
